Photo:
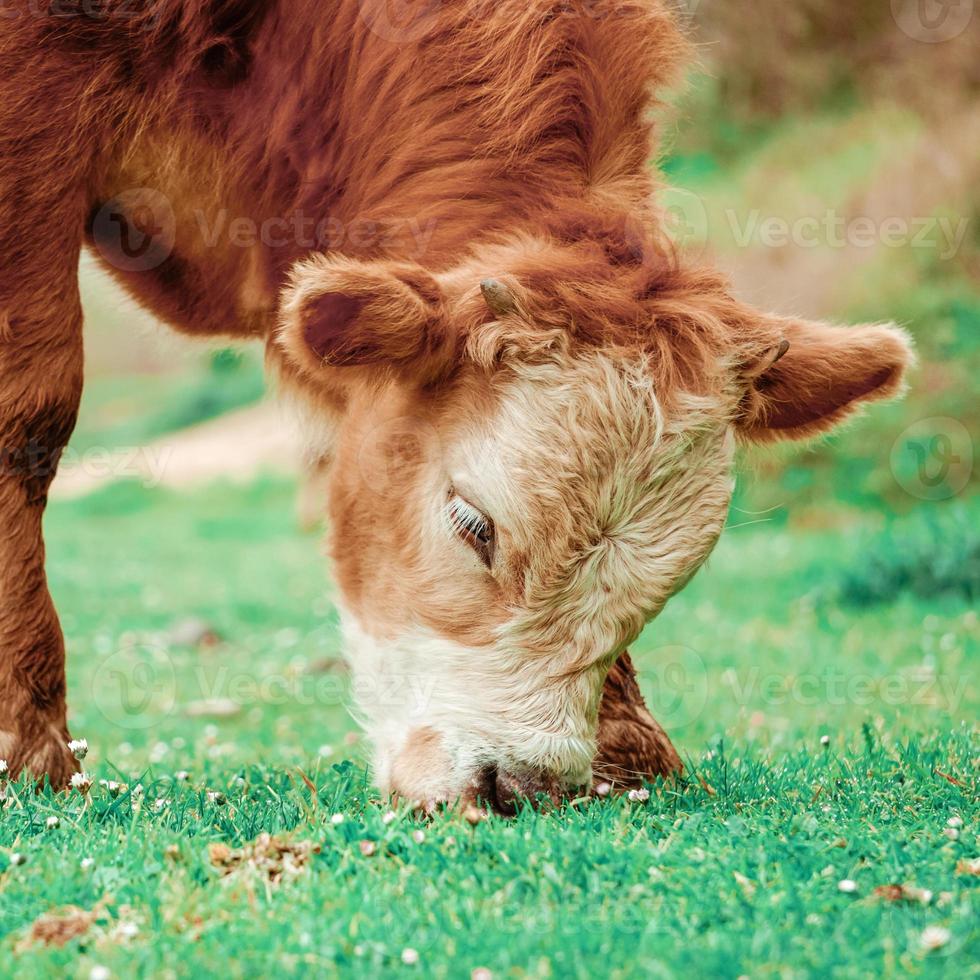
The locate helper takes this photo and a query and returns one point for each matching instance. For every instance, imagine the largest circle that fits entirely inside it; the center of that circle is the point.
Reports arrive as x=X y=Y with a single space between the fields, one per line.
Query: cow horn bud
x=498 y=297
x=780 y=351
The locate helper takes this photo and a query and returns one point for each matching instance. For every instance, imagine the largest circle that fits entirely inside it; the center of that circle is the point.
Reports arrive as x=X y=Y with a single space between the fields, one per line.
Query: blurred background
x=825 y=153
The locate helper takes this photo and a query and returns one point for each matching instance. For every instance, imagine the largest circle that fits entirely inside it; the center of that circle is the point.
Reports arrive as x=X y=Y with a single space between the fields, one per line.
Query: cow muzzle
x=506 y=790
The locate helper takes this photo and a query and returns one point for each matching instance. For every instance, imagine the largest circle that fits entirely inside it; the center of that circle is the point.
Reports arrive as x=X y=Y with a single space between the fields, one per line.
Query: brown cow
x=444 y=228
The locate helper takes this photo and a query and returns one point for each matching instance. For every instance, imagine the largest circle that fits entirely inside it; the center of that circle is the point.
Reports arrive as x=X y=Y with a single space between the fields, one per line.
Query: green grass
x=734 y=871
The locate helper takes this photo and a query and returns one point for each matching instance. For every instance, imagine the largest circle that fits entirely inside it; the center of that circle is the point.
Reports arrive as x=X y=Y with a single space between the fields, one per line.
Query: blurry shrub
x=930 y=553
x=232 y=379
x=773 y=56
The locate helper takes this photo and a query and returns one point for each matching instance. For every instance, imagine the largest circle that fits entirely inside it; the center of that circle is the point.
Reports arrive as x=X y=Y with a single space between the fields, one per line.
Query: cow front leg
x=40 y=388
x=632 y=747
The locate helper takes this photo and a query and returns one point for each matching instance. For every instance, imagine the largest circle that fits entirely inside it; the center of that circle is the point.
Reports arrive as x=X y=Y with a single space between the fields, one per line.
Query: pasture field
x=820 y=675
x=236 y=726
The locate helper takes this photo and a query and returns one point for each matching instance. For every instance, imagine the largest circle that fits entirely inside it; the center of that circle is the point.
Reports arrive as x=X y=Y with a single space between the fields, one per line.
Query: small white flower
x=159 y=804
x=86 y=864
x=410 y=956
x=217 y=797
x=325 y=751
x=78 y=748
x=389 y=817
x=81 y=781
x=17 y=859
x=52 y=823
x=603 y=789
x=99 y=973
x=639 y=795
x=481 y=973
x=952 y=833
x=825 y=740
x=418 y=836
x=128 y=930
x=4 y=770
x=111 y=787
x=935 y=936
x=955 y=822
x=847 y=886
x=337 y=819
x=182 y=775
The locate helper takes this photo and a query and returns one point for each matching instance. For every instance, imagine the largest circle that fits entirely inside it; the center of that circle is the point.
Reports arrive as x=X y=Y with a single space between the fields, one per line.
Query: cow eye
x=472 y=526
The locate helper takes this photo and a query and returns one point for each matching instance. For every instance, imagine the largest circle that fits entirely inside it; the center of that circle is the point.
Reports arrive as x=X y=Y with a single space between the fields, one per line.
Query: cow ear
x=342 y=312
x=809 y=376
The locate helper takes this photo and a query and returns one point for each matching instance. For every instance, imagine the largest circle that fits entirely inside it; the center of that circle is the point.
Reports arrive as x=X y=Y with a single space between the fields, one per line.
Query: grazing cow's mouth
x=504 y=791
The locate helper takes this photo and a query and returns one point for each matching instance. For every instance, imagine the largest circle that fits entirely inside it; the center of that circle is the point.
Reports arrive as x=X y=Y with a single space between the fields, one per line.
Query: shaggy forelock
x=609 y=498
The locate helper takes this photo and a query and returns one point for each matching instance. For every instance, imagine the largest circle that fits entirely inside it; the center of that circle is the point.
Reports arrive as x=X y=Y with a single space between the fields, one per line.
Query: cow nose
x=511 y=786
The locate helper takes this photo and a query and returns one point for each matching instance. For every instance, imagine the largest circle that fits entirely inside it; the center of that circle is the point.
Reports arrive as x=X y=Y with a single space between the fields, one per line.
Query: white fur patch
x=483 y=703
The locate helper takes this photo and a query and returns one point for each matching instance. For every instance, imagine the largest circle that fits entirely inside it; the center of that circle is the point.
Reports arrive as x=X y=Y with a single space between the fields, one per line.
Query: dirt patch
x=267 y=857
x=237 y=446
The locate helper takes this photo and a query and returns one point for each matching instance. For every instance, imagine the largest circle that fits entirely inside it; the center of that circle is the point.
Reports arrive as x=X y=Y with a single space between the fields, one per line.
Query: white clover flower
x=337 y=819
x=182 y=776
x=603 y=789
x=78 y=748
x=128 y=930
x=955 y=822
x=481 y=973
x=825 y=740
x=217 y=797
x=17 y=859
x=935 y=936
x=847 y=886
x=159 y=804
x=86 y=864
x=410 y=956
x=99 y=972
x=111 y=786
x=52 y=823
x=389 y=817
x=418 y=836
x=639 y=795
x=4 y=770
x=81 y=781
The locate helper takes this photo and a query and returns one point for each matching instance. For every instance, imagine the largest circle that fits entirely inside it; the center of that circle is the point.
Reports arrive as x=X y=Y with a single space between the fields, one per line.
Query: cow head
x=531 y=453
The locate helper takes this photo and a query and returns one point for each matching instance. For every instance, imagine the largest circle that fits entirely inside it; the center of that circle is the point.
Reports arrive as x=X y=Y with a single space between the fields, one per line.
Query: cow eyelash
x=471 y=526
